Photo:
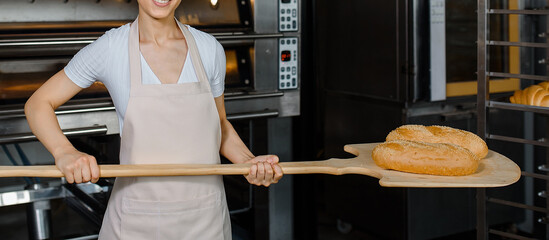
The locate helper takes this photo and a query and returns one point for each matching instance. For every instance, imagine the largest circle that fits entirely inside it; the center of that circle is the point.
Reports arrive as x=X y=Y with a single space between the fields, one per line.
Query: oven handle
x=252 y=115
x=88 y=40
x=71 y=132
x=241 y=96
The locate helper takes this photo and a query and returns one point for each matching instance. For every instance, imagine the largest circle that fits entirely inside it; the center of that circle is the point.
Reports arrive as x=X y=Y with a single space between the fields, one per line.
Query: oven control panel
x=287 y=62
x=287 y=12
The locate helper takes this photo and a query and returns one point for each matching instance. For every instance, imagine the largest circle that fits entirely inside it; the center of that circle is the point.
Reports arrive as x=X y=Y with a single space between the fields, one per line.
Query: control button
x=294 y=70
x=288 y=68
x=282 y=41
x=282 y=19
x=288 y=41
x=282 y=69
x=288 y=26
x=283 y=11
x=294 y=42
x=287 y=84
x=288 y=76
x=288 y=19
x=294 y=23
x=282 y=76
x=294 y=82
x=283 y=26
x=281 y=85
x=294 y=12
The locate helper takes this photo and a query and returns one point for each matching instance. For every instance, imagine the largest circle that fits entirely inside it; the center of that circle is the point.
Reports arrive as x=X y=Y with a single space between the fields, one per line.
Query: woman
x=166 y=81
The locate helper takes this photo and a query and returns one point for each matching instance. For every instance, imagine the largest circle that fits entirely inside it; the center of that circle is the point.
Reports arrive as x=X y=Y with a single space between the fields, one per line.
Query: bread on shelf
x=535 y=95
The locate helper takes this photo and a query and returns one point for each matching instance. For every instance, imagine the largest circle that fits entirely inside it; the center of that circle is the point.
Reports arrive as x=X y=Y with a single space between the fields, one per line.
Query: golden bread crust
x=425 y=158
x=440 y=134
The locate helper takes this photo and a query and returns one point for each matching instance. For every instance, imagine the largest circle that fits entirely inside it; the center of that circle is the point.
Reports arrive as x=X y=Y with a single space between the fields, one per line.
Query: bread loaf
x=440 y=134
x=425 y=158
x=533 y=95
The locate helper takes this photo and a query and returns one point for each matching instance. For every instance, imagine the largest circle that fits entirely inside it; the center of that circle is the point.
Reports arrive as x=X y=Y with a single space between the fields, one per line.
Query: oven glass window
x=461 y=36
x=232 y=77
x=201 y=13
x=20 y=78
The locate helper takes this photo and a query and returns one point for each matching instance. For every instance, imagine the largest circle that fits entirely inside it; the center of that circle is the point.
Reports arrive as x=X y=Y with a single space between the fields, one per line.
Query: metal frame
x=484 y=103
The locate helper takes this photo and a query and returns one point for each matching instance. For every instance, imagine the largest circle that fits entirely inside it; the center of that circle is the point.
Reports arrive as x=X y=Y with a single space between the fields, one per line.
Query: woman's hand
x=77 y=166
x=265 y=171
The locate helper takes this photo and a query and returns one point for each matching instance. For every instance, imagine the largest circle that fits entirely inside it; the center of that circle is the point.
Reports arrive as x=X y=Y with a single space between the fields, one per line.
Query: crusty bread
x=440 y=134
x=544 y=85
x=532 y=95
x=425 y=158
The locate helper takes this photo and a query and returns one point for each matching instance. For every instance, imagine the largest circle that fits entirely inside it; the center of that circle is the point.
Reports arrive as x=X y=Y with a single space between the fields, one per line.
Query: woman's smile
x=161 y=3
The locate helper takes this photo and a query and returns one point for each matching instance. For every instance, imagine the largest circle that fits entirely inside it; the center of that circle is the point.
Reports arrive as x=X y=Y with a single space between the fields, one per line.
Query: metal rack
x=485 y=103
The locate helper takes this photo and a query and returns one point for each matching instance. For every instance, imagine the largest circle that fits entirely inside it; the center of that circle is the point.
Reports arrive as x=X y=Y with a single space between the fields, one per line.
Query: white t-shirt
x=106 y=60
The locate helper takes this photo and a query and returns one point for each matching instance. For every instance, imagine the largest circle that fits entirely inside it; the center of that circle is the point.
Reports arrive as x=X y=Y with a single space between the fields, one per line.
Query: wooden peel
x=495 y=170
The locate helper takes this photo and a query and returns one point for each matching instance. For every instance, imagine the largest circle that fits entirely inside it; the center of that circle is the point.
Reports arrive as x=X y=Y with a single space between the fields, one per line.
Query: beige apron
x=166 y=124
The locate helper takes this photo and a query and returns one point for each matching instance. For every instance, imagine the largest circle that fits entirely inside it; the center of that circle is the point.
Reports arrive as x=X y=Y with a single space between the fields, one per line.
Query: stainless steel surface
x=518 y=44
x=265 y=16
x=266 y=55
x=530 y=12
x=49 y=193
x=522 y=76
x=46 y=42
x=90 y=237
x=88 y=40
x=252 y=115
x=59 y=11
x=438 y=49
x=85 y=131
x=39 y=215
x=252 y=95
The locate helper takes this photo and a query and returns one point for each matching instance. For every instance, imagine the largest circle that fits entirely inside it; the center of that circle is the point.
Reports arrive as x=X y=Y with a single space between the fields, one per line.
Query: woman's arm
x=77 y=166
x=265 y=171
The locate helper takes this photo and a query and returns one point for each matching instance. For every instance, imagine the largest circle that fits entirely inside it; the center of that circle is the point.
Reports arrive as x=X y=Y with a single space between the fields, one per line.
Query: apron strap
x=133 y=50
x=135 y=59
x=195 y=55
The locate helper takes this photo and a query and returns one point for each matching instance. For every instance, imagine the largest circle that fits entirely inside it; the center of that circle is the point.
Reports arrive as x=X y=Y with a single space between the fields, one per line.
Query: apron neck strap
x=135 y=59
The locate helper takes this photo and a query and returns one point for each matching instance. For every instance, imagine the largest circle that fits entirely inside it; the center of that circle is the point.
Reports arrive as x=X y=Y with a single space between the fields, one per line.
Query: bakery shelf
x=517 y=205
x=485 y=102
x=521 y=76
x=518 y=140
x=517 y=44
x=509 y=235
x=525 y=12
x=517 y=107
x=535 y=175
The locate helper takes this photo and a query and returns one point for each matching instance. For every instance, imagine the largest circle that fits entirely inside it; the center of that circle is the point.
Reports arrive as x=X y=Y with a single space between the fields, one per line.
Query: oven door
x=445 y=34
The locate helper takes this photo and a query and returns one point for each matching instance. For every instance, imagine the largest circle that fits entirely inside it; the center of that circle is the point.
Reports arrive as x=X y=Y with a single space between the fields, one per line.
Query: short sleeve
x=89 y=64
x=217 y=83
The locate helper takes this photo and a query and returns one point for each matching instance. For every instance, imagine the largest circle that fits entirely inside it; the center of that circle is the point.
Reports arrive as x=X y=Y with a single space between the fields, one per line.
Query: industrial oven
x=261 y=39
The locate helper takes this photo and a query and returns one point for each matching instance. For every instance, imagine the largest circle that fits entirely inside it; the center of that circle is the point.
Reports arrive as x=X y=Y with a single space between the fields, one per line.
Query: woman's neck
x=157 y=30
